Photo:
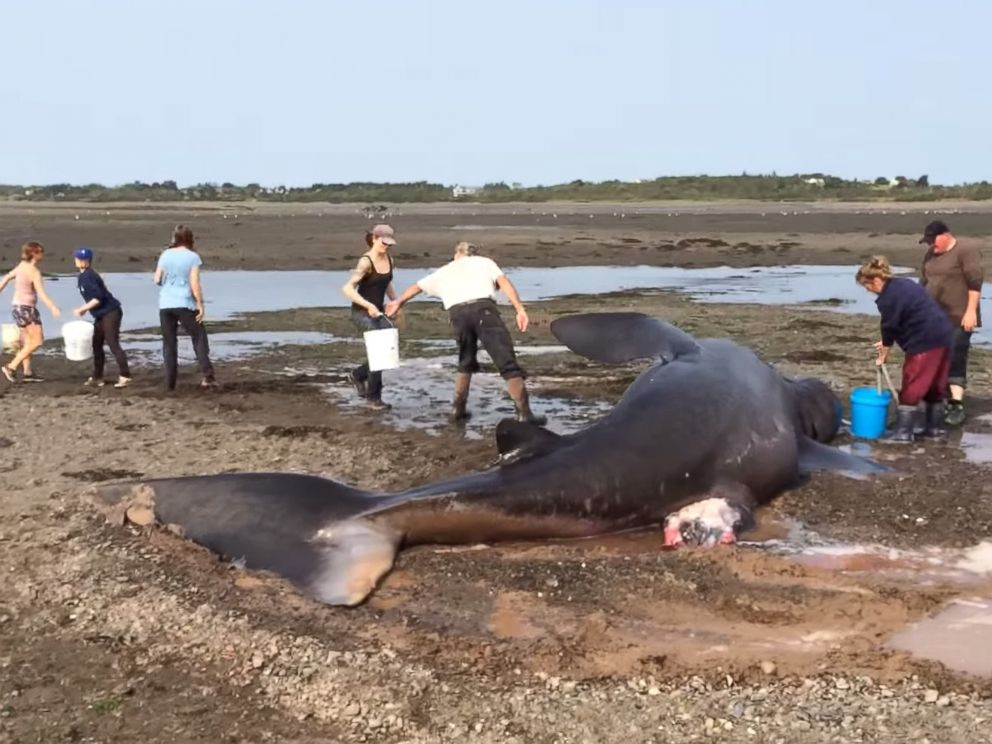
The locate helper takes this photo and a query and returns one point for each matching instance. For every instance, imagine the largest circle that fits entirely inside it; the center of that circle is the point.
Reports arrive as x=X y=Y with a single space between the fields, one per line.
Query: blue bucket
x=869 y=412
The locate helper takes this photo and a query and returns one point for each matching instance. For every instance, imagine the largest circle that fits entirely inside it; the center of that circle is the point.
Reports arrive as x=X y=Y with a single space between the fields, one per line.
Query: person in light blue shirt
x=180 y=302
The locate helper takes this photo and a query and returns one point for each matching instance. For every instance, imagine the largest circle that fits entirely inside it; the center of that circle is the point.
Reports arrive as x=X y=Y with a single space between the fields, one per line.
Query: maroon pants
x=924 y=376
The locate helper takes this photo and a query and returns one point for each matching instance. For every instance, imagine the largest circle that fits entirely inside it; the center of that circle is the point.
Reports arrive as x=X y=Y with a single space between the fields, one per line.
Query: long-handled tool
x=880 y=371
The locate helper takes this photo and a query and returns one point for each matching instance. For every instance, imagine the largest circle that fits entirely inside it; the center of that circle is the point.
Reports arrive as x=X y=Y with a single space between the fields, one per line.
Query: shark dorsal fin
x=617 y=338
x=519 y=439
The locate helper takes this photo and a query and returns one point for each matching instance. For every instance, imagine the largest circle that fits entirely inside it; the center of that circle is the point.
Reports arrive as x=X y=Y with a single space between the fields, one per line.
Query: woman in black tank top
x=367 y=288
x=373 y=285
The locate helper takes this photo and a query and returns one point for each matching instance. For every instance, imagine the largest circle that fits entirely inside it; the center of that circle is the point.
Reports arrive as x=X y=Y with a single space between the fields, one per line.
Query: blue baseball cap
x=83 y=253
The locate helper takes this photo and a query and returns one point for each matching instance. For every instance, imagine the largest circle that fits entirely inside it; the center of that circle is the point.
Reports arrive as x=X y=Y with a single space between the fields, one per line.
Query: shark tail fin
x=315 y=532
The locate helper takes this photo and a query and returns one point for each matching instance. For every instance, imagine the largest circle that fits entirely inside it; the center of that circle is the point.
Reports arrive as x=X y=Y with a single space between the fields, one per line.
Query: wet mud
x=832 y=618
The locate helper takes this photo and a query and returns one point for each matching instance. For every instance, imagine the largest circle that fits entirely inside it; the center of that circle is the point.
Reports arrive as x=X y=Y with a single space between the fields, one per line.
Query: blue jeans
x=373 y=380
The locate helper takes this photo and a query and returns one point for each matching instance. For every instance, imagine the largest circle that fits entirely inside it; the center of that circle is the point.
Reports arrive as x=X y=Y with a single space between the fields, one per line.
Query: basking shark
x=706 y=433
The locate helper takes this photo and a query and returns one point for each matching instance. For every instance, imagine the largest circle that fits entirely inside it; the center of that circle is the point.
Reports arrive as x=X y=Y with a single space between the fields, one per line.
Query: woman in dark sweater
x=912 y=319
x=107 y=315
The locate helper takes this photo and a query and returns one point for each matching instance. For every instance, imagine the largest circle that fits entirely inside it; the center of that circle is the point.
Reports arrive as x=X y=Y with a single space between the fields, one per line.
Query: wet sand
x=110 y=633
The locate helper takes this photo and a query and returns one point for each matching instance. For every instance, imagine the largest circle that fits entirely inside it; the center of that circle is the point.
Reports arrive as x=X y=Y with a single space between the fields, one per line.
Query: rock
x=842 y=684
x=768 y=667
x=931 y=696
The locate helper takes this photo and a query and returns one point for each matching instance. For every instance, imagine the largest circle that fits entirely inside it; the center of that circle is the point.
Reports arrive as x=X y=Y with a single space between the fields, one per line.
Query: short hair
x=31 y=250
x=181 y=236
x=877 y=267
x=467 y=249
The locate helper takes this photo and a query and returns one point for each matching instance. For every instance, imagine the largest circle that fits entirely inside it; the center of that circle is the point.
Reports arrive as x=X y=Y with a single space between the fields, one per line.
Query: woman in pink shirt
x=28 y=287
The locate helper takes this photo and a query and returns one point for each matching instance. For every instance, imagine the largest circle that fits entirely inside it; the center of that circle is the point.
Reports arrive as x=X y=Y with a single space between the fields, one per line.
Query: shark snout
x=706 y=523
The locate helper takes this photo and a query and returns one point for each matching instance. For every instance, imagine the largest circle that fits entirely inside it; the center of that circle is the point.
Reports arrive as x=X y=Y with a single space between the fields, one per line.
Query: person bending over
x=911 y=318
x=466 y=286
x=107 y=316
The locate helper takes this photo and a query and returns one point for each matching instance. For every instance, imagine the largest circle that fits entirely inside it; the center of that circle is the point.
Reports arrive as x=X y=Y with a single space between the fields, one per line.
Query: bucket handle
x=880 y=370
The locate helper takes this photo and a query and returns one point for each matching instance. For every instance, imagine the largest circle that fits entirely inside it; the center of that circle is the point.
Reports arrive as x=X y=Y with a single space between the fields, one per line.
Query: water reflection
x=231 y=292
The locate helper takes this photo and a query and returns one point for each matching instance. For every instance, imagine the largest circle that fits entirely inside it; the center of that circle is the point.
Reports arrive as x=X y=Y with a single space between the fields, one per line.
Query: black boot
x=955 y=413
x=521 y=401
x=459 y=406
x=934 y=427
x=360 y=383
x=903 y=429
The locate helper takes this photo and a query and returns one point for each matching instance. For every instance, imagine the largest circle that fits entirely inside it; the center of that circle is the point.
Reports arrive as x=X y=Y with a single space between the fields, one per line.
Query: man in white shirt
x=466 y=287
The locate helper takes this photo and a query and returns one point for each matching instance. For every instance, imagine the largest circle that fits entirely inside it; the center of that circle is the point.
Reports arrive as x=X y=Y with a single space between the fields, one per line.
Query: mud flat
x=249 y=235
x=814 y=629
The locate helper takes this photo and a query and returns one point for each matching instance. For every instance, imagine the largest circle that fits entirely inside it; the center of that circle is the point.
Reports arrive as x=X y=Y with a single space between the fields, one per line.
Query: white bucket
x=10 y=337
x=78 y=337
x=383 y=349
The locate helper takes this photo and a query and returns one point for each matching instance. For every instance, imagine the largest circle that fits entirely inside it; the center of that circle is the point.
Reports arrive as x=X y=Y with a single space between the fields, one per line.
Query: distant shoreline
x=650 y=206
x=762 y=188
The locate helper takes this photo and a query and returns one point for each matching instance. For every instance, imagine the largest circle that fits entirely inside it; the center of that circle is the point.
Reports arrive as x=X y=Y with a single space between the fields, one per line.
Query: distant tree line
x=798 y=187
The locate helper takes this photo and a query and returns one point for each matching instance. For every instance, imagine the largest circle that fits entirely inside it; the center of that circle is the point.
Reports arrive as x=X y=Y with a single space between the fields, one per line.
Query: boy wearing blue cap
x=107 y=315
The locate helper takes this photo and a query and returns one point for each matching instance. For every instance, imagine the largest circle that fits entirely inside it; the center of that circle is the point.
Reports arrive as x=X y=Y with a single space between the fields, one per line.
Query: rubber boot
x=903 y=429
x=920 y=421
x=955 y=415
x=521 y=400
x=459 y=406
x=934 y=427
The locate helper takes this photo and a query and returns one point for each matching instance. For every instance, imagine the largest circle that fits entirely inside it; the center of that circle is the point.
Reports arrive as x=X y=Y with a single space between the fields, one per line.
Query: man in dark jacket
x=107 y=316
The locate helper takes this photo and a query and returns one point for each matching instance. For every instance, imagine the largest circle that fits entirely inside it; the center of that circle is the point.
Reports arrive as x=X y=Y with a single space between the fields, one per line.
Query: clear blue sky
x=540 y=91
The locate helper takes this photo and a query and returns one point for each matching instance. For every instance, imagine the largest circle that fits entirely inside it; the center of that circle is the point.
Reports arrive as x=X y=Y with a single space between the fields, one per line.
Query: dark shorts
x=480 y=321
x=924 y=377
x=25 y=315
x=960 y=343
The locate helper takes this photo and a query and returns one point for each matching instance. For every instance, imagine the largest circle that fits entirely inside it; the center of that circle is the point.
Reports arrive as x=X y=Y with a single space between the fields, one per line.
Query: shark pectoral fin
x=518 y=439
x=815 y=456
x=616 y=338
x=353 y=556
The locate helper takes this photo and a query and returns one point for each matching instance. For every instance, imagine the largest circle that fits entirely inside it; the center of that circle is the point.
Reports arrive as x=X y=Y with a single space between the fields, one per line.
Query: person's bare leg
x=32 y=341
x=26 y=364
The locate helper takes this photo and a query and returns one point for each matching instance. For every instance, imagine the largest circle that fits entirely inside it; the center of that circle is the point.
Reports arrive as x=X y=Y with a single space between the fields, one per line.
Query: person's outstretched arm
x=504 y=283
x=408 y=294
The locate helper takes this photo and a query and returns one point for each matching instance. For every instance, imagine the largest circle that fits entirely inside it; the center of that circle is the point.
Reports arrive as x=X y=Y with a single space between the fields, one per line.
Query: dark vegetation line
x=805 y=187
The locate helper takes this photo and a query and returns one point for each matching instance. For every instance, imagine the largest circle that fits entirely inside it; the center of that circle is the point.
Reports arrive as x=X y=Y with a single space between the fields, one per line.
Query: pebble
x=931 y=696
x=768 y=667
